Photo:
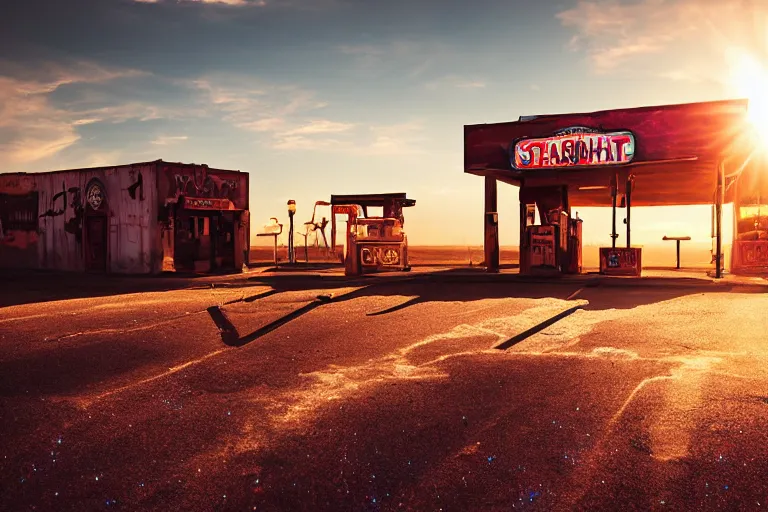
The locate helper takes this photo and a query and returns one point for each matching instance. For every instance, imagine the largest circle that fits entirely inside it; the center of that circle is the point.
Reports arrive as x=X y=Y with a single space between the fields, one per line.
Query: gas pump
x=374 y=243
x=554 y=246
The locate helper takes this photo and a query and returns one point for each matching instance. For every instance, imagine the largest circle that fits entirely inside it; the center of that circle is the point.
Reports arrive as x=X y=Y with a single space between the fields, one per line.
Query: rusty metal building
x=143 y=218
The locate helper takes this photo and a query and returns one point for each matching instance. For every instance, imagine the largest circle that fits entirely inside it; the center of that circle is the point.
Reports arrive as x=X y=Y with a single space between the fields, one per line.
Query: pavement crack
x=128 y=329
x=170 y=371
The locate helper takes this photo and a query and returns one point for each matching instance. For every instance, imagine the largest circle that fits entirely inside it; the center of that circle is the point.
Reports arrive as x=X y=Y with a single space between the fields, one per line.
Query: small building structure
x=142 y=218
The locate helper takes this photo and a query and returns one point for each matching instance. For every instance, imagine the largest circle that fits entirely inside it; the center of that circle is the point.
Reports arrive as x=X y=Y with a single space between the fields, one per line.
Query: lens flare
x=750 y=79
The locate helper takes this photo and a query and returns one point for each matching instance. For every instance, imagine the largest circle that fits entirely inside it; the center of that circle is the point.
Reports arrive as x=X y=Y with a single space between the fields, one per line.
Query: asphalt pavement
x=290 y=393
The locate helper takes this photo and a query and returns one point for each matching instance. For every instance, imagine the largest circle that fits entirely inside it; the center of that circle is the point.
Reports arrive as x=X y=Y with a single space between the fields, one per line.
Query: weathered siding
x=18 y=221
x=133 y=233
x=189 y=180
x=131 y=206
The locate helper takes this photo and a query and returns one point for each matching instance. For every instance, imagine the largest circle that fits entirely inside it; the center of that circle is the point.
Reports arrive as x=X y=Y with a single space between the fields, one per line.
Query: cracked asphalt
x=387 y=397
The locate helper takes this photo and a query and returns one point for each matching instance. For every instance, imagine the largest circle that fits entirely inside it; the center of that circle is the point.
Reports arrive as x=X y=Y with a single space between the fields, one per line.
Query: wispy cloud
x=398 y=139
x=613 y=33
x=32 y=126
x=319 y=126
x=262 y=108
x=165 y=140
x=390 y=140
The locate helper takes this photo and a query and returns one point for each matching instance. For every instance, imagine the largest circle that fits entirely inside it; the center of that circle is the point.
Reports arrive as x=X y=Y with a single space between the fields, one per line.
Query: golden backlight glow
x=749 y=78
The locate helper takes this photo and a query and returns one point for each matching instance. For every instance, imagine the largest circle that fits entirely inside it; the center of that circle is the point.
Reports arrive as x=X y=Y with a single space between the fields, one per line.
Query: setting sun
x=750 y=80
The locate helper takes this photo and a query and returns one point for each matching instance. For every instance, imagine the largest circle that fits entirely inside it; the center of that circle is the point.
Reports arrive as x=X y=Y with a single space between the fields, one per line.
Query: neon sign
x=574 y=147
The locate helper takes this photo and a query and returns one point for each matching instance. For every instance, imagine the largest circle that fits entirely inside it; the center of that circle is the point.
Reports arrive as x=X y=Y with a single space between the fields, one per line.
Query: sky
x=321 y=97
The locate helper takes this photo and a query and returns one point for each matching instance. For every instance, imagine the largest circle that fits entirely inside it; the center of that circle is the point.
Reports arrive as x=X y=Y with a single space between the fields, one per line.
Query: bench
x=677 y=239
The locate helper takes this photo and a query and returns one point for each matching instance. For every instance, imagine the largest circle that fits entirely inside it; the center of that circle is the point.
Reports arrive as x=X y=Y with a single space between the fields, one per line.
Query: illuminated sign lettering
x=574 y=147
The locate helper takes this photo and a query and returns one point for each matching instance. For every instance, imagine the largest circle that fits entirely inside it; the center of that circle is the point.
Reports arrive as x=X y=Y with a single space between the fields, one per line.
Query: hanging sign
x=574 y=147
x=195 y=203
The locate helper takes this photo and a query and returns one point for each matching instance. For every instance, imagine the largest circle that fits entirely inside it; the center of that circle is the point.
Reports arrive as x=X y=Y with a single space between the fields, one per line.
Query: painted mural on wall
x=199 y=181
x=72 y=198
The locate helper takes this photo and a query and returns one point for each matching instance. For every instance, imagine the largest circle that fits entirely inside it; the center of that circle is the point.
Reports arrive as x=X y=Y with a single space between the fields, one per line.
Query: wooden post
x=274 y=252
x=491 y=241
x=719 y=220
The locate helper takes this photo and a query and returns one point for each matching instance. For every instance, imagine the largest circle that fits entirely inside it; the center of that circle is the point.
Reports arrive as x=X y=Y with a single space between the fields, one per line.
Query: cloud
x=33 y=127
x=319 y=126
x=259 y=108
x=682 y=75
x=299 y=142
x=268 y=124
x=390 y=140
x=165 y=140
x=614 y=33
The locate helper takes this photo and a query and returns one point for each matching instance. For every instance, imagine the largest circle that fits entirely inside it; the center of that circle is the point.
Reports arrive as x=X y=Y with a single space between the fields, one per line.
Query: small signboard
x=750 y=254
x=621 y=261
x=574 y=147
x=199 y=203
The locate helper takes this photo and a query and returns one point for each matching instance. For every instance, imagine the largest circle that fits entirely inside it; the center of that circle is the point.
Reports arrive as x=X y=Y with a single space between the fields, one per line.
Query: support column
x=719 y=220
x=523 y=252
x=614 y=194
x=628 y=195
x=491 y=241
x=168 y=235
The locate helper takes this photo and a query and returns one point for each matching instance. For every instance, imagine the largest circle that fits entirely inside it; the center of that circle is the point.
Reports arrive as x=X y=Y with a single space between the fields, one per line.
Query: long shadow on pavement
x=424 y=290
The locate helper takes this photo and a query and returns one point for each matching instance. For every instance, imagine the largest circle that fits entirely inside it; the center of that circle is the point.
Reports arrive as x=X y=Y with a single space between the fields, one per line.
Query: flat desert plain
x=693 y=255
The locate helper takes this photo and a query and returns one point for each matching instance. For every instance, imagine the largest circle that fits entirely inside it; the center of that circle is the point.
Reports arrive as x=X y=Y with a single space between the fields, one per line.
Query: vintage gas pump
x=554 y=245
x=374 y=243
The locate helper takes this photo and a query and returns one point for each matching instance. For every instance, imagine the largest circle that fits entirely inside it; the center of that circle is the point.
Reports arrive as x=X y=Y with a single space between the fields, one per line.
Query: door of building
x=96 y=243
x=96 y=227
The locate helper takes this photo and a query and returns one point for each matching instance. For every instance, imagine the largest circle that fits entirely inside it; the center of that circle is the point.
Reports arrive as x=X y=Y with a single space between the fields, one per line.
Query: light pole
x=291 y=212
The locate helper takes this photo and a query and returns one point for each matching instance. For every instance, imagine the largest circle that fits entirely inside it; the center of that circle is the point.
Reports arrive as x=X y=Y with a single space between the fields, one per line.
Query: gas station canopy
x=673 y=151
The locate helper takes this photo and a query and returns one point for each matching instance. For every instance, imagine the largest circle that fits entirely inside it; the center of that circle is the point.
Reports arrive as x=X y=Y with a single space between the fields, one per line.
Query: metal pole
x=523 y=256
x=274 y=253
x=628 y=195
x=291 y=255
x=678 y=254
x=719 y=220
x=614 y=193
x=491 y=238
